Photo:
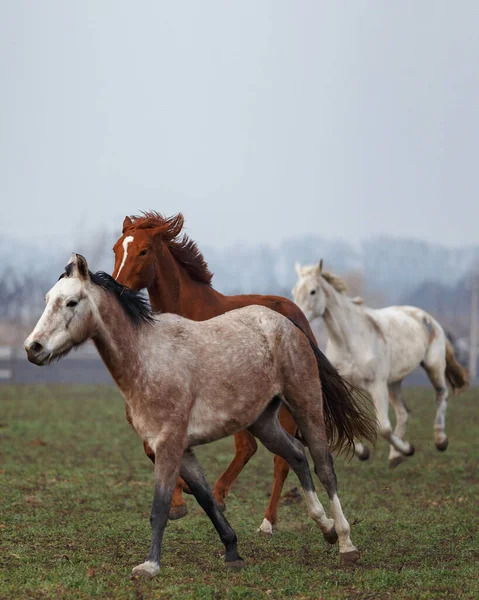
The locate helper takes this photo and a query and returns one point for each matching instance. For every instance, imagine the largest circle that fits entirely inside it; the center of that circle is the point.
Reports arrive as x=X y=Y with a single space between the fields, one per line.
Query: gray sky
x=258 y=119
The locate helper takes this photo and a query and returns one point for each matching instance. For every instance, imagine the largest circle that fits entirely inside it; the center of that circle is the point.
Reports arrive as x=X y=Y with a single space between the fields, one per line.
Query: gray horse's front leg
x=167 y=468
x=193 y=475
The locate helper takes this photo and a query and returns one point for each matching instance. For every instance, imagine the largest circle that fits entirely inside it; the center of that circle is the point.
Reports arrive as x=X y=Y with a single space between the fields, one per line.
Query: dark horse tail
x=348 y=413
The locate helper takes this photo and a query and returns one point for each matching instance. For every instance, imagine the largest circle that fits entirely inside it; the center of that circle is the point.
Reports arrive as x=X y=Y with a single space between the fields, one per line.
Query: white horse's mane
x=335 y=281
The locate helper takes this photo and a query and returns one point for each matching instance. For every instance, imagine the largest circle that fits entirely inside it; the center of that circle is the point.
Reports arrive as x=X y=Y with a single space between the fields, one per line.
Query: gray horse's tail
x=348 y=413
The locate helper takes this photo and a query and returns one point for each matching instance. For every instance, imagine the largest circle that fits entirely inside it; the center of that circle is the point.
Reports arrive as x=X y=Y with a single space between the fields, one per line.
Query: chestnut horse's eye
x=313 y=292
x=142 y=253
x=72 y=303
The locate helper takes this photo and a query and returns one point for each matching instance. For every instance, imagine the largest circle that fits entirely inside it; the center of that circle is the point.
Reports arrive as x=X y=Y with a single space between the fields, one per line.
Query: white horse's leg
x=361 y=451
x=402 y=414
x=380 y=395
x=435 y=367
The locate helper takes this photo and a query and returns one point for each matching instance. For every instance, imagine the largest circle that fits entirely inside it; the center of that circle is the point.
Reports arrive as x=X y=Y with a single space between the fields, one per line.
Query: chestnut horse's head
x=146 y=246
x=137 y=249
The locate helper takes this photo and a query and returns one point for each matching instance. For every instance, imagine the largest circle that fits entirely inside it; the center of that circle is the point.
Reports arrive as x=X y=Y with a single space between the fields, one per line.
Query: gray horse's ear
x=297 y=268
x=320 y=267
x=127 y=223
x=80 y=265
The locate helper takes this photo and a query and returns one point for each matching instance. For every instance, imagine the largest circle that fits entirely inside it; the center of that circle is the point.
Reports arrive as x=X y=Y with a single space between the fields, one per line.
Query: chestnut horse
x=151 y=254
x=188 y=383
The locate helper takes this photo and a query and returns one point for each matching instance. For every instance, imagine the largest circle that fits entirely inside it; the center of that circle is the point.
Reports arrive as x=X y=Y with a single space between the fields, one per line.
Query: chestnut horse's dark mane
x=135 y=304
x=184 y=250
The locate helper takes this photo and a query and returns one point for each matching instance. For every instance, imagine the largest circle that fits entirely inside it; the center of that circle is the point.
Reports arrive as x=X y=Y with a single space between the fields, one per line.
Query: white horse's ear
x=80 y=265
x=297 y=268
x=319 y=267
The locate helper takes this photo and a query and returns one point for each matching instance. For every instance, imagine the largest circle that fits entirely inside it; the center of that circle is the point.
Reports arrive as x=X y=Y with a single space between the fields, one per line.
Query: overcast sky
x=258 y=119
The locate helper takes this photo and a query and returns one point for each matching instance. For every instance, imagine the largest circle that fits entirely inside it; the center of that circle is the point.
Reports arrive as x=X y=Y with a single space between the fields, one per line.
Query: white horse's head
x=308 y=293
x=69 y=316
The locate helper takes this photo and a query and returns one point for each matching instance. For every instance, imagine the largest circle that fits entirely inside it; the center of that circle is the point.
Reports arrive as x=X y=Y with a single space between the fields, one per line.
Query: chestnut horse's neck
x=174 y=291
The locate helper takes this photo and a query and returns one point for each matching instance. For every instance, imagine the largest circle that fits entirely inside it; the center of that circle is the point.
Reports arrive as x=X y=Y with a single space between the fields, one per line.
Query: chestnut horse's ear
x=127 y=223
x=80 y=265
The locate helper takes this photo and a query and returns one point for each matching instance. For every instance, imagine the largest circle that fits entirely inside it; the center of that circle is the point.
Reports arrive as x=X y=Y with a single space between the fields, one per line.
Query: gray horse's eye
x=72 y=303
x=313 y=292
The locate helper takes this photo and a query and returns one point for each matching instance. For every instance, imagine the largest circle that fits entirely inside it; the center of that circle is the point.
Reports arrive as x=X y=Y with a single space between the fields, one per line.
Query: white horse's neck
x=345 y=320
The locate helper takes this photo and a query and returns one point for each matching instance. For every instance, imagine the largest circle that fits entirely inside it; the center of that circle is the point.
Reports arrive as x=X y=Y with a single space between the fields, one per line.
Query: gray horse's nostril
x=35 y=347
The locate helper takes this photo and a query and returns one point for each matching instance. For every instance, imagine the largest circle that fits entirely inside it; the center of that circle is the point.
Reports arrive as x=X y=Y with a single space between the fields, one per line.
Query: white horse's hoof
x=396 y=460
x=365 y=455
x=412 y=450
x=347 y=559
x=441 y=442
x=265 y=528
x=147 y=569
x=330 y=536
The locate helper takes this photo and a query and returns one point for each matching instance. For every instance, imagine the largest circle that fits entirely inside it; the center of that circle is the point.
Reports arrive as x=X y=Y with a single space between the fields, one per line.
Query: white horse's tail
x=456 y=375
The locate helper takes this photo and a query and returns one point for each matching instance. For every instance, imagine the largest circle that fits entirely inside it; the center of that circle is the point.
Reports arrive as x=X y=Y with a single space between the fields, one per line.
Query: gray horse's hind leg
x=270 y=433
x=323 y=465
x=193 y=475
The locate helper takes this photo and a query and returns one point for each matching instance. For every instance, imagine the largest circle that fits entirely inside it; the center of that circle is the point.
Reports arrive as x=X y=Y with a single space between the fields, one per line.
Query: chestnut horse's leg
x=178 y=507
x=281 y=470
x=192 y=473
x=245 y=446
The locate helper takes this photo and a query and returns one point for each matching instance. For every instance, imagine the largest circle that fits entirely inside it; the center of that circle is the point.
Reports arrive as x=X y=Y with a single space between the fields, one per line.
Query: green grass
x=75 y=493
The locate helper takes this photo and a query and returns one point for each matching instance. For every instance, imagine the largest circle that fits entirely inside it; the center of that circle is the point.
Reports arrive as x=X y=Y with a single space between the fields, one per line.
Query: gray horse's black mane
x=135 y=304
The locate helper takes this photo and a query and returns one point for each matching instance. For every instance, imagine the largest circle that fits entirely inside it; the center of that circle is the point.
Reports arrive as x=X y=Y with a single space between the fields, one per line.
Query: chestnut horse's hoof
x=397 y=460
x=266 y=528
x=441 y=446
x=177 y=512
x=235 y=564
x=365 y=455
x=331 y=536
x=146 y=570
x=348 y=559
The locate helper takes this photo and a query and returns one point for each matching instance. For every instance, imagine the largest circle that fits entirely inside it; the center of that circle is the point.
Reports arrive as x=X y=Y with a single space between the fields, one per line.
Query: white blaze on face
x=125 y=244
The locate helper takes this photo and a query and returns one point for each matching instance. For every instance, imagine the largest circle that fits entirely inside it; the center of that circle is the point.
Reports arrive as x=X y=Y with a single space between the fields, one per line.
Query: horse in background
x=188 y=383
x=152 y=253
x=374 y=349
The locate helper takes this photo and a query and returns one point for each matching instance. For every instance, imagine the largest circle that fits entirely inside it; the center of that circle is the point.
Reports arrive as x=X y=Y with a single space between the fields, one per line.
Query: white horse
x=375 y=349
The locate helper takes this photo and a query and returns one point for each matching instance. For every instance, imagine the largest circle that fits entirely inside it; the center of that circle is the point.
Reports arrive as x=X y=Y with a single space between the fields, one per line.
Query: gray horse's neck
x=118 y=342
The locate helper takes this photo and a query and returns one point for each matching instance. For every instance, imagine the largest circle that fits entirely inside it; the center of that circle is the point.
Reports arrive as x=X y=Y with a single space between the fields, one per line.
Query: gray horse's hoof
x=365 y=455
x=177 y=512
x=348 y=559
x=235 y=564
x=396 y=461
x=441 y=446
x=331 y=536
x=146 y=570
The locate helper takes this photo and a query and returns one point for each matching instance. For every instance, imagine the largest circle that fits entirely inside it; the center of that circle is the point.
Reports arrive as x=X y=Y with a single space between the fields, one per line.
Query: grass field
x=75 y=493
